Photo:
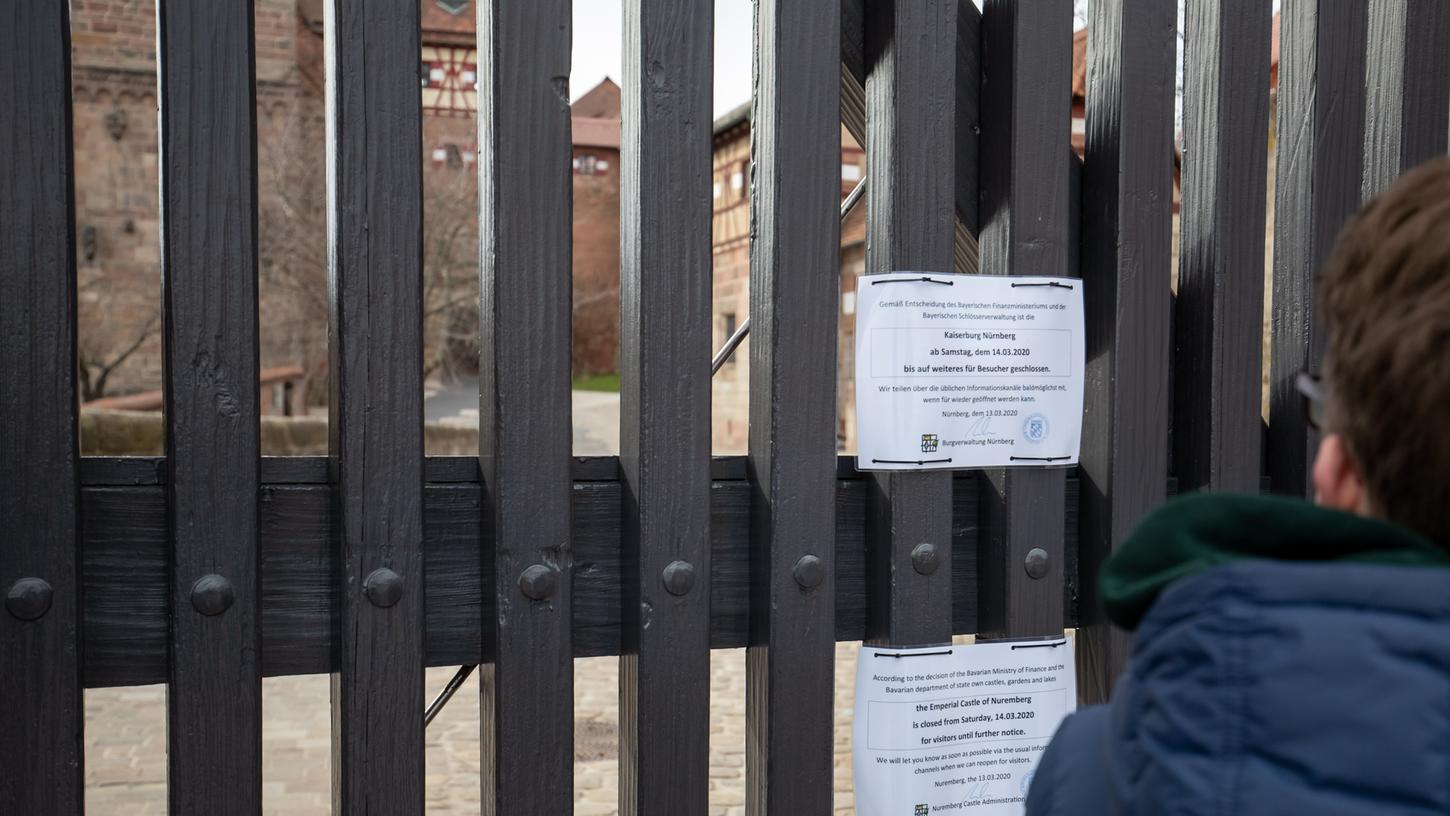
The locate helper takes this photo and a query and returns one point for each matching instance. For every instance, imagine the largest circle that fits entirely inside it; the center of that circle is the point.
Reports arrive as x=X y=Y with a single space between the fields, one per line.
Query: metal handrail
x=447 y=694
x=726 y=351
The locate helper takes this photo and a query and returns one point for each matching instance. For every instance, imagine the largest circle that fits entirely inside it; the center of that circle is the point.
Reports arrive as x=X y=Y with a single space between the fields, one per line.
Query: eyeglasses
x=1314 y=400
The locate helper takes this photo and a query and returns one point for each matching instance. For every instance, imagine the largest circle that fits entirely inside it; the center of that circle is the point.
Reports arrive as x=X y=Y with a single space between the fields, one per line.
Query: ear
x=1338 y=483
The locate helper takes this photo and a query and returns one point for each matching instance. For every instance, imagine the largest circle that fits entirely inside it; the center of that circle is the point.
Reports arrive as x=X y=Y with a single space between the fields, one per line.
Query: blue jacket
x=1270 y=687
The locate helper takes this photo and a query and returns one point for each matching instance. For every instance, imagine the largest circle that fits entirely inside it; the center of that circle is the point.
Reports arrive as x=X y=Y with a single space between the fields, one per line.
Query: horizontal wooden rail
x=125 y=556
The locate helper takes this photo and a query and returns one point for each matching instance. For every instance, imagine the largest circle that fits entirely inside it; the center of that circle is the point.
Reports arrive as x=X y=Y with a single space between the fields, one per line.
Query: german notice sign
x=968 y=371
x=956 y=730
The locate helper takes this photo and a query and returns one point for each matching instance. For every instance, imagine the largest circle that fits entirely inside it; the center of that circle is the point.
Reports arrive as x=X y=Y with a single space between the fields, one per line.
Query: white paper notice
x=968 y=371
x=956 y=731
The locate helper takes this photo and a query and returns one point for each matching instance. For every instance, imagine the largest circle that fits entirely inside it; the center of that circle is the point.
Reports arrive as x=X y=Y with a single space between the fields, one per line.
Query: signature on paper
x=981 y=426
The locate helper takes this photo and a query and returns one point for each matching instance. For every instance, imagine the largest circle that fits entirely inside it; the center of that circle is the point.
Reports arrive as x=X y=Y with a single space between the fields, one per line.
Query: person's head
x=1385 y=303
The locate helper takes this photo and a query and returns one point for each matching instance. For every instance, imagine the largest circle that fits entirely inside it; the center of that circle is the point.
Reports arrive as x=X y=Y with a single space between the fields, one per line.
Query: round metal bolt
x=29 y=598
x=383 y=587
x=1036 y=562
x=212 y=595
x=679 y=577
x=924 y=559
x=538 y=582
x=809 y=572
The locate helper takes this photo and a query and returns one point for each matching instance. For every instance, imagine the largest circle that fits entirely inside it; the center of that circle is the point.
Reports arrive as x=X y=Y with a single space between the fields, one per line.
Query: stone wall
x=143 y=433
x=118 y=230
x=114 y=89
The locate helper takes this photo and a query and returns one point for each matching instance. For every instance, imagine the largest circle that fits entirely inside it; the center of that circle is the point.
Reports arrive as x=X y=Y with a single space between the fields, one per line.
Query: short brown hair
x=1385 y=302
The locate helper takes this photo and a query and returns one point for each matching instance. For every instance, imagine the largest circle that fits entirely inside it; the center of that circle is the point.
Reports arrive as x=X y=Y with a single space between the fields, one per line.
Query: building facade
x=116 y=180
x=730 y=388
x=117 y=215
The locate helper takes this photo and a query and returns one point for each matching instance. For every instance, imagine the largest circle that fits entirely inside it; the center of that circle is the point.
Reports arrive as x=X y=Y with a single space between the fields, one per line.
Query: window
x=737 y=181
x=454 y=156
x=590 y=165
x=850 y=172
x=717 y=189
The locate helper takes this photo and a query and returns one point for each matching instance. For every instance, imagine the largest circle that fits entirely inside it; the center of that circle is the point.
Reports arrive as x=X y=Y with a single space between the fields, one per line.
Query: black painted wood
x=209 y=294
x=1321 y=139
x=1218 y=428
x=853 y=111
x=665 y=348
x=41 y=717
x=794 y=294
x=136 y=471
x=852 y=95
x=969 y=118
x=527 y=704
x=853 y=45
x=1026 y=212
x=376 y=447
x=910 y=102
x=126 y=586
x=1127 y=195
x=1407 y=82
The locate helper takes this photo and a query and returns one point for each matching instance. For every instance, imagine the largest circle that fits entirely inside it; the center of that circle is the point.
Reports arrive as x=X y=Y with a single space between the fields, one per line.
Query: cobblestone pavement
x=126 y=742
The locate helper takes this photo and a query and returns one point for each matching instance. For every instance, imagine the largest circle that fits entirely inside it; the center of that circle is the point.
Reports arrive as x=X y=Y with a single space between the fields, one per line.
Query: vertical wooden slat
x=40 y=676
x=968 y=89
x=910 y=104
x=853 y=51
x=664 y=463
x=1217 y=428
x=527 y=708
x=209 y=292
x=967 y=138
x=967 y=255
x=376 y=223
x=1407 y=80
x=853 y=91
x=1026 y=208
x=1127 y=195
x=1321 y=137
x=794 y=292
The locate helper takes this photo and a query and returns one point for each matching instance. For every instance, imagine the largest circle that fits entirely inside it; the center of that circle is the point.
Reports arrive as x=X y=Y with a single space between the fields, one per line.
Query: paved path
x=596 y=414
x=126 y=743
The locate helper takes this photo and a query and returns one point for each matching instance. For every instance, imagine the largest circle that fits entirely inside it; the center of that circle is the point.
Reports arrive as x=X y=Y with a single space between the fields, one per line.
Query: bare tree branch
x=96 y=369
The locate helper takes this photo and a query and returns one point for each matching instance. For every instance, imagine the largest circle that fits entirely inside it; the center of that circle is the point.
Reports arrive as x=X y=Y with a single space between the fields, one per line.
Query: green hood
x=1203 y=530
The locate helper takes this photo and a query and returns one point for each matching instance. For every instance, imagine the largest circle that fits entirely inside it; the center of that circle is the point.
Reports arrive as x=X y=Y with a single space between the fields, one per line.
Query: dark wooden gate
x=214 y=567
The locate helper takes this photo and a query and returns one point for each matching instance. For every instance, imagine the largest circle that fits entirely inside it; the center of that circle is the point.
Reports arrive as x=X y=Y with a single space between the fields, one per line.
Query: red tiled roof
x=596 y=116
x=437 y=20
x=601 y=102
x=594 y=132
